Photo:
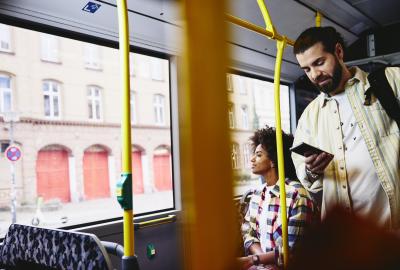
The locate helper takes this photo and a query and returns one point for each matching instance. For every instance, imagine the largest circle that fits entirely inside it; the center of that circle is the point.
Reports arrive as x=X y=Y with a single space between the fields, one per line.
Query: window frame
x=159 y=109
x=6 y=31
x=52 y=44
x=92 y=98
x=51 y=99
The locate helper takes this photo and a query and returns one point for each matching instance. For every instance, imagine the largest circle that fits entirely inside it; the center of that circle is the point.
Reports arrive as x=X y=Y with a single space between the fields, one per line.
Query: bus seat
x=39 y=248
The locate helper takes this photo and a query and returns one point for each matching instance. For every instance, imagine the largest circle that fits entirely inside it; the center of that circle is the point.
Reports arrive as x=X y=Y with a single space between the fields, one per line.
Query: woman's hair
x=267 y=138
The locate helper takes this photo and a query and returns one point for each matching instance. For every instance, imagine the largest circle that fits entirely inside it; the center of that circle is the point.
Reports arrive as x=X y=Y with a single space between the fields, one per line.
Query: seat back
x=52 y=248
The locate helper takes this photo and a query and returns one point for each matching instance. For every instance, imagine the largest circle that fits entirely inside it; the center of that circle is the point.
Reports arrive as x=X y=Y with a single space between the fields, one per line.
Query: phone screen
x=306 y=150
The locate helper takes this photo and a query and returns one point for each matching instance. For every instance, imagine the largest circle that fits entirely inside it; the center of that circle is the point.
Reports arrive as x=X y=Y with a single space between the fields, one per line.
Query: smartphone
x=306 y=150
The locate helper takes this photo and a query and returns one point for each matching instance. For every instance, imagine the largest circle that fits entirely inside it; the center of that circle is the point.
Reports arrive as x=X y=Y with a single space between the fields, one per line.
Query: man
x=363 y=174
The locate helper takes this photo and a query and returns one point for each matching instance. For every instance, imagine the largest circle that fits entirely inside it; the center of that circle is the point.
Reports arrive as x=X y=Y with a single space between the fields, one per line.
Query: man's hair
x=267 y=138
x=328 y=36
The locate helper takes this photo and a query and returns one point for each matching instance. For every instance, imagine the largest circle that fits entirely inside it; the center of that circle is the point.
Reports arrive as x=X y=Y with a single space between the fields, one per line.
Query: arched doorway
x=52 y=173
x=96 y=173
x=162 y=168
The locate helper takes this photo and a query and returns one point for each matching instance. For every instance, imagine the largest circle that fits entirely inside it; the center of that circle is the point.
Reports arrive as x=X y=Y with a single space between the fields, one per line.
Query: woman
x=261 y=229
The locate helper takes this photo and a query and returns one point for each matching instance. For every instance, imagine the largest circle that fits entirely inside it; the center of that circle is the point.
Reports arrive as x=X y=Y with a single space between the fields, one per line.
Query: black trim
x=57 y=31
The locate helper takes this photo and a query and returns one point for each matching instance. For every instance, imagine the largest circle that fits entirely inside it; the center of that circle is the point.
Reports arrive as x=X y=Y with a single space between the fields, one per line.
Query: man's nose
x=315 y=74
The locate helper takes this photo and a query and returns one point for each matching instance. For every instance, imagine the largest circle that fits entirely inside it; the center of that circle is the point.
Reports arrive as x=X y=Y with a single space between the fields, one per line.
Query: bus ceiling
x=355 y=19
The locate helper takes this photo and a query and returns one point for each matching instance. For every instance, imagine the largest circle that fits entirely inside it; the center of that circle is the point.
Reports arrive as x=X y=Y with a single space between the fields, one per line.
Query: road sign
x=13 y=153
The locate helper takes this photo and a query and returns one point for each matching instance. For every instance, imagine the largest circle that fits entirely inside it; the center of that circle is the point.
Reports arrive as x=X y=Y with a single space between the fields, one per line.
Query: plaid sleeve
x=248 y=229
x=300 y=216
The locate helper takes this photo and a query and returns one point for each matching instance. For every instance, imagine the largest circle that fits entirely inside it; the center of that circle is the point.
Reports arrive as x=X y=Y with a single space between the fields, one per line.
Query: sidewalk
x=87 y=211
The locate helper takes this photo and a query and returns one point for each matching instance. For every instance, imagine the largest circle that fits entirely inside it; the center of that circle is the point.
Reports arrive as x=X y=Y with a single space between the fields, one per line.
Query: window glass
x=235 y=156
x=94 y=103
x=51 y=99
x=245 y=117
x=49 y=48
x=256 y=109
x=5 y=38
x=71 y=165
x=159 y=109
x=5 y=93
x=92 y=56
x=231 y=115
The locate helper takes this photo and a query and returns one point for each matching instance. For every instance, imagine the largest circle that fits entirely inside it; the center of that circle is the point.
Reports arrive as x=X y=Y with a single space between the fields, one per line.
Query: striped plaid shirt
x=301 y=211
x=318 y=126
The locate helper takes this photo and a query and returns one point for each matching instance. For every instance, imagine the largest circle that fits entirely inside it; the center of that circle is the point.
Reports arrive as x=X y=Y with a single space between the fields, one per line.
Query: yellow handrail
x=318 y=17
x=279 y=143
x=126 y=125
x=256 y=28
x=267 y=19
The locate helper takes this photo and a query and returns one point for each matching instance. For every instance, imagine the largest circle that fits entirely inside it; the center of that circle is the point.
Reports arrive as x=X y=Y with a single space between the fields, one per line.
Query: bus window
x=68 y=104
x=251 y=106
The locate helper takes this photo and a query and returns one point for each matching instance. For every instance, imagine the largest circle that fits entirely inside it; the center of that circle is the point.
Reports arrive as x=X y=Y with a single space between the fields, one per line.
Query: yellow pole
x=281 y=43
x=279 y=145
x=268 y=22
x=318 y=17
x=126 y=124
x=210 y=236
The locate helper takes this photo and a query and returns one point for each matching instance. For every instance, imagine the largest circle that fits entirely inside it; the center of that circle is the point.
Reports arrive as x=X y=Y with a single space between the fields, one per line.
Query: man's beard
x=335 y=79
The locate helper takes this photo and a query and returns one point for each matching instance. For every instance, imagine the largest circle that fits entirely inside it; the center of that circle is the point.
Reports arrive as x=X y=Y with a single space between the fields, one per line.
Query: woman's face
x=260 y=163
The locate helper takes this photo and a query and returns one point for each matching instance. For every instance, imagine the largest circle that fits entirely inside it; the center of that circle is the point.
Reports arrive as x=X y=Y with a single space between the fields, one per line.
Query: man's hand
x=316 y=163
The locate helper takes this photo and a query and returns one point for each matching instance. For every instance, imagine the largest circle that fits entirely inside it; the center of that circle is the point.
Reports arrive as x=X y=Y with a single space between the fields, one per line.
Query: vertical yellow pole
x=210 y=238
x=279 y=145
x=126 y=127
x=318 y=17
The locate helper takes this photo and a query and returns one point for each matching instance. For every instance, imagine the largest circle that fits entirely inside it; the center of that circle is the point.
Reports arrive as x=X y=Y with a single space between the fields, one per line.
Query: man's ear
x=272 y=164
x=339 y=51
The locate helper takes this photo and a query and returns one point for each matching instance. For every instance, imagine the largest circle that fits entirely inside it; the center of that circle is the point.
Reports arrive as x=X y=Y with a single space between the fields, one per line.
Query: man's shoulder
x=313 y=107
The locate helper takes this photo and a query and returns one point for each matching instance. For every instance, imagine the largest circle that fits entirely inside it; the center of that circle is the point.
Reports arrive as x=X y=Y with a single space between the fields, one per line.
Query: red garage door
x=137 y=172
x=162 y=172
x=95 y=173
x=52 y=175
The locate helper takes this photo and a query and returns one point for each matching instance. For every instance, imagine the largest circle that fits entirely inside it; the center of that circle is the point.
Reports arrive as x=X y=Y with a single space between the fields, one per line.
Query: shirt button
x=335 y=111
x=337 y=127
x=344 y=186
x=342 y=168
x=340 y=148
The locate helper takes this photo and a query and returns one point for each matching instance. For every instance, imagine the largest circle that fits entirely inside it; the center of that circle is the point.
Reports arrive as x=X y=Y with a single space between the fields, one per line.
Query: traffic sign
x=13 y=153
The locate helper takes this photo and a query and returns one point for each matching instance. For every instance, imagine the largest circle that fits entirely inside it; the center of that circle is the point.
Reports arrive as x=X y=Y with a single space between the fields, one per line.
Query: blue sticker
x=91 y=7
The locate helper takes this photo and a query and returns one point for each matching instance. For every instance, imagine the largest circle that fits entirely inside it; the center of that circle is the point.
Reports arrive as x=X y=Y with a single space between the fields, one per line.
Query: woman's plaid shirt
x=301 y=211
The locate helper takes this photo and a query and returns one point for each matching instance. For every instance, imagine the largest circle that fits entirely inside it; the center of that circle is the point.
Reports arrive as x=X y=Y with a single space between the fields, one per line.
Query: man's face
x=322 y=68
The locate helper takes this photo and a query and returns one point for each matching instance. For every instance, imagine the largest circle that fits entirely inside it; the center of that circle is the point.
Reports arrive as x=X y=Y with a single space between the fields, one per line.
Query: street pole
x=13 y=192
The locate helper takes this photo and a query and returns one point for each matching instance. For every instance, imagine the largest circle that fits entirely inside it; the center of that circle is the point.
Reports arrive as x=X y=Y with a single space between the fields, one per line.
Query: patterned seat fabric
x=52 y=248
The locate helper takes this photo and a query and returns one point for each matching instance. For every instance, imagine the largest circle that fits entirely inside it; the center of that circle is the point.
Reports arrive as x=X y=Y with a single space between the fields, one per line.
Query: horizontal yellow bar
x=256 y=28
x=156 y=221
